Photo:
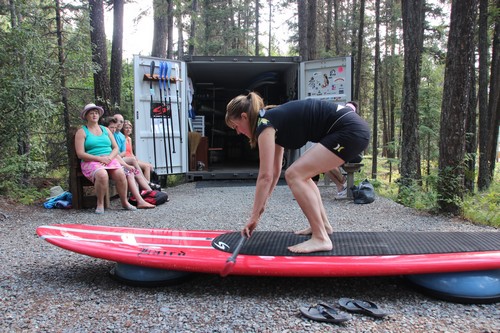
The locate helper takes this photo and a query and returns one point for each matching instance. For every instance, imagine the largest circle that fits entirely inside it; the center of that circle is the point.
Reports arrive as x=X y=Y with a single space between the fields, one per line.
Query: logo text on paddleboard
x=223 y=246
x=153 y=252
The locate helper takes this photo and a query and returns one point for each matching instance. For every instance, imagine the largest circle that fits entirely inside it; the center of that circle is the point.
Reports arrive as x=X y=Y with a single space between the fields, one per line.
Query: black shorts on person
x=348 y=137
x=338 y=128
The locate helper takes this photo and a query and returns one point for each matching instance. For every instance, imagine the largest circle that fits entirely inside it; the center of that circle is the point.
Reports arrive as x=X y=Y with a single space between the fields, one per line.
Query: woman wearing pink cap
x=97 y=149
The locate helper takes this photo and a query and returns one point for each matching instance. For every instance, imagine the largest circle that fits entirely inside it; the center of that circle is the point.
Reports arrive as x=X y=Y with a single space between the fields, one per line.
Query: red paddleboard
x=265 y=253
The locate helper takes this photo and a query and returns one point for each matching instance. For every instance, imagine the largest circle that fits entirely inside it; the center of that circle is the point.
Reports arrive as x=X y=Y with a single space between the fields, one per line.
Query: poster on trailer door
x=327 y=81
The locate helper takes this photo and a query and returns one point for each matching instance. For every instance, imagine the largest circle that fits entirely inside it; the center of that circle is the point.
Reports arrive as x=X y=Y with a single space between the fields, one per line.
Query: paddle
x=152 y=93
x=232 y=259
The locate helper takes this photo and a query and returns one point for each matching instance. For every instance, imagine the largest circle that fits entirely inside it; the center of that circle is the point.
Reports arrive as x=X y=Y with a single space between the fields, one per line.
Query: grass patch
x=483 y=207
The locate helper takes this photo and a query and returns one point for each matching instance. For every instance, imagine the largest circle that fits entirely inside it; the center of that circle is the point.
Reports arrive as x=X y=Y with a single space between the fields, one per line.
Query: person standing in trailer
x=341 y=135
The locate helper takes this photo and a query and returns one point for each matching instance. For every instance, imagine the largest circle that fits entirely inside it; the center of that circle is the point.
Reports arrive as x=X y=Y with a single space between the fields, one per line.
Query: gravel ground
x=46 y=289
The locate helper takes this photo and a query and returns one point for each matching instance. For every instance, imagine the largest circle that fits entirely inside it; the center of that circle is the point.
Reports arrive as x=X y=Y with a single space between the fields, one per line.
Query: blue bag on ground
x=63 y=201
x=364 y=193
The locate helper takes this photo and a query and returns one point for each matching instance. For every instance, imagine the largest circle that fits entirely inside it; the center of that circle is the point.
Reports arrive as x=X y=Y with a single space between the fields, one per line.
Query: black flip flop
x=361 y=306
x=324 y=313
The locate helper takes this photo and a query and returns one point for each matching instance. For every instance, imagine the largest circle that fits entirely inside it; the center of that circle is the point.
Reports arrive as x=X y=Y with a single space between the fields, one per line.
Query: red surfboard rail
x=192 y=251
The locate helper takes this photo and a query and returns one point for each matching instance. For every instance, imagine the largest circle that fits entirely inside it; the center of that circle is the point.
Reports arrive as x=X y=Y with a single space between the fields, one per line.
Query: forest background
x=426 y=75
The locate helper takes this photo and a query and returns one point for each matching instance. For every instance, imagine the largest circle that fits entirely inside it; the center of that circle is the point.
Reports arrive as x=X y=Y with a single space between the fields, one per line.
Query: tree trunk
x=470 y=127
x=62 y=80
x=489 y=114
x=455 y=103
x=375 y=91
x=207 y=23
x=170 y=29
x=257 y=18
x=116 y=55
x=192 y=31
x=392 y=91
x=354 y=33
x=494 y=100
x=336 y=26
x=328 y=35
x=413 y=22
x=483 y=179
x=180 y=35
x=311 y=29
x=270 y=27
x=359 y=53
x=303 y=52
x=99 y=55
x=160 y=24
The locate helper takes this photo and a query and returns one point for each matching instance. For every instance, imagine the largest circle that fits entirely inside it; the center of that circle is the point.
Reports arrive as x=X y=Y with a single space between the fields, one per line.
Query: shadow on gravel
x=96 y=274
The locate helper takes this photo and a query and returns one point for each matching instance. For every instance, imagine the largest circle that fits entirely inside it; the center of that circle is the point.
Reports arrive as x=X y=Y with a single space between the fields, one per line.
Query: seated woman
x=97 y=149
x=135 y=178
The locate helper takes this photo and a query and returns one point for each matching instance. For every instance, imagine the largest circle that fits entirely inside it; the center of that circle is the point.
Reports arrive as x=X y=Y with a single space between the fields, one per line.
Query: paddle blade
x=227 y=268
x=232 y=259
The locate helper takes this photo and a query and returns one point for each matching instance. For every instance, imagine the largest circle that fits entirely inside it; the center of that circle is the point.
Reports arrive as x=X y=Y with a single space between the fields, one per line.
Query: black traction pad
x=276 y=243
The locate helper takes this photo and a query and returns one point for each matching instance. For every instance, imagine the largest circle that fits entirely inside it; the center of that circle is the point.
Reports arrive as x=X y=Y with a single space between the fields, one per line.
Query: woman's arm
x=265 y=180
x=125 y=164
x=278 y=164
x=128 y=142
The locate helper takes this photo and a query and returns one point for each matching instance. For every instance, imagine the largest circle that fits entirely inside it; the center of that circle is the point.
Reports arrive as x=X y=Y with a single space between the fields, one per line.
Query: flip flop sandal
x=360 y=306
x=323 y=313
x=130 y=208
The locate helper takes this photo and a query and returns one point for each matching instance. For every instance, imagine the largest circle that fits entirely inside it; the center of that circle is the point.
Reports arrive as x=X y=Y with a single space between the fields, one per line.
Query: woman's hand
x=249 y=228
x=105 y=160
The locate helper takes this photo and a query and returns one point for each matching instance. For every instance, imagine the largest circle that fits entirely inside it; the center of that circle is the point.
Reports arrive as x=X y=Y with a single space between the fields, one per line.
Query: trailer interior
x=216 y=81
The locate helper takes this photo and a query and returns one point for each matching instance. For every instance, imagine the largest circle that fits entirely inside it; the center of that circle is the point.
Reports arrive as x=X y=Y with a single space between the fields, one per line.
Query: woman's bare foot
x=312 y=245
x=145 y=205
x=308 y=230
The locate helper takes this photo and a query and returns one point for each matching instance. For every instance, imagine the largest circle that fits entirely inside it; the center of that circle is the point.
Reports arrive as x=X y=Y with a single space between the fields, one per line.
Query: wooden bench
x=78 y=182
x=351 y=168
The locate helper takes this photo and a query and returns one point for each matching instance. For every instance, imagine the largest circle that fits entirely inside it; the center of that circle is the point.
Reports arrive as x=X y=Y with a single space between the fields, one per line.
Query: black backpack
x=364 y=193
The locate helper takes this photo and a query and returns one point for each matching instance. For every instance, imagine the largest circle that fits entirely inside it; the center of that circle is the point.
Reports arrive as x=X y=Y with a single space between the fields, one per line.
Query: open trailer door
x=326 y=79
x=160 y=114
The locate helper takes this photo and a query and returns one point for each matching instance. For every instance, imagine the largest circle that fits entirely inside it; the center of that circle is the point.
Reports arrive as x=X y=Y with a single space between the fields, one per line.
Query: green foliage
x=174 y=180
x=483 y=207
x=416 y=197
x=20 y=189
x=480 y=207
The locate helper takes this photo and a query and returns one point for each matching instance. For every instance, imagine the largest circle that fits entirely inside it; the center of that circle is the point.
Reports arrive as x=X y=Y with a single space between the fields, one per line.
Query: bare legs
x=101 y=183
x=337 y=177
x=298 y=176
x=146 y=170
x=121 y=185
x=144 y=167
x=134 y=189
x=324 y=217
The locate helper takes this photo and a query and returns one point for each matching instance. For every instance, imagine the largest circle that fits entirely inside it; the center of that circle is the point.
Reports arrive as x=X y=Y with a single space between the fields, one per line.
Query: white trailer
x=205 y=85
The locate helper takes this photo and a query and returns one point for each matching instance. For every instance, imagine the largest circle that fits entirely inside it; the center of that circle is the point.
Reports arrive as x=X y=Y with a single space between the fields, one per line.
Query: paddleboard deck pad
x=274 y=243
x=266 y=253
